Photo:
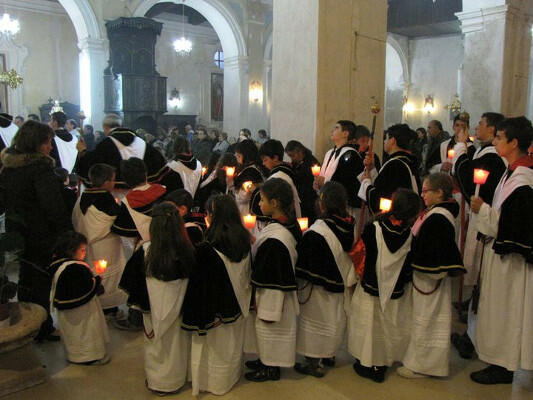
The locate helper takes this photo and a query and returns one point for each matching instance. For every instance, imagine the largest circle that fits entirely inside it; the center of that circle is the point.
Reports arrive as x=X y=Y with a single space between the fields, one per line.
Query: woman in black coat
x=31 y=195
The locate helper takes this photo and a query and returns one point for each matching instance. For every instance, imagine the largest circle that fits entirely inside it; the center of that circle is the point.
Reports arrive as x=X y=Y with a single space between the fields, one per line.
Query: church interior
x=290 y=67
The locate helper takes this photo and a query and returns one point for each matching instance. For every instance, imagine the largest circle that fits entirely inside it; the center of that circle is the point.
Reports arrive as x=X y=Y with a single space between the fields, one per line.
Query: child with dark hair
x=218 y=299
x=248 y=170
x=194 y=221
x=184 y=170
x=156 y=278
x=435 y=258
x=380 y=310
x=94 y=214
x=324 y=264
x=214 y=179
x=274 y=258
x=271 y=153
x=68 y=192
x=135 y=214
x=74 y=295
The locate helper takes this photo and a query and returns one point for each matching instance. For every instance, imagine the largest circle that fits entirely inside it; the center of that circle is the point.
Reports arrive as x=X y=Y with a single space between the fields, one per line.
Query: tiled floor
x=123 y=378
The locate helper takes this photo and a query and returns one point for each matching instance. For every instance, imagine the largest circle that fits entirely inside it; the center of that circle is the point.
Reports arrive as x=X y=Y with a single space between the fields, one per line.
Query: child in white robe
x=75 y=296
x=274 y=258
x=325 y=267
x=435 y=258
x=218 y=299
x=379 y=318
x=156 y=278
x=93 y=215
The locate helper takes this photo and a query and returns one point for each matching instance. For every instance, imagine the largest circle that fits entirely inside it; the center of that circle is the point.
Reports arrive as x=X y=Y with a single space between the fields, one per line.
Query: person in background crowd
x=19 y=120
x=222 y=145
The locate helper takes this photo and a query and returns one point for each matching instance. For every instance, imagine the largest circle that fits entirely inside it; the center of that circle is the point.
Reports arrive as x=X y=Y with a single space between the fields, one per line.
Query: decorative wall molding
x=36 y=6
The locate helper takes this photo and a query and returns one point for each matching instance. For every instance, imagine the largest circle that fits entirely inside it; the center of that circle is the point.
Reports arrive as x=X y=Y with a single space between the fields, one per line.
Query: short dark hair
x=403 y=134
x=100 y=173
x=246 y=132
x=518 y=128
x=61 y=173
x=181 y=145
x=348 y=126
x=67 y=243
x=73 y=123
x=133 y=171
x=294 y=145
x=493 y=119
x=271 y=148
x=437 y=123
x=441 y=181
x=406 y=204
x=423 y=130
x=31 y=135
x=20 y=117
x=361 y=131
x=333 y=199
x=34 y=117
x=460 y=117
x=59 y=117
x=88 y=128
x=262 y=132
x=249 y=152
x=180 y=197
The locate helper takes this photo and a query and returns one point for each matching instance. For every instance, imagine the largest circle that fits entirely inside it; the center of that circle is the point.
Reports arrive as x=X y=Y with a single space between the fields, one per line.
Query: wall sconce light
x=256 y=92
x=429 y=104
x=174 y=100
x=407 y=107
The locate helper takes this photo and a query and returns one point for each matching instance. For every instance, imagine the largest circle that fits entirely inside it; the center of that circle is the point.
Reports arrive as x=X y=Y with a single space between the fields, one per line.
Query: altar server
x=435 y=258
x=7 y=130
x=218 y=299
x=505 y=319
x=325 y=266
x=274 y=259
x=74 y=294
x=379 y=320
x=249 y=170
x=64 y=149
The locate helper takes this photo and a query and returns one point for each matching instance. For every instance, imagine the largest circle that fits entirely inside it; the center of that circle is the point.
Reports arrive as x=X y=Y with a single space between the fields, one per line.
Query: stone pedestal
x=497 y=42
x=19 y=367
x=328 y=61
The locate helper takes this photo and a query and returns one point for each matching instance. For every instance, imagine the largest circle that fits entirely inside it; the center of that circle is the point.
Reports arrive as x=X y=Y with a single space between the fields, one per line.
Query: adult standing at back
x=31 y=194
x=64 y=143
x=119 y=144
x=435 y=137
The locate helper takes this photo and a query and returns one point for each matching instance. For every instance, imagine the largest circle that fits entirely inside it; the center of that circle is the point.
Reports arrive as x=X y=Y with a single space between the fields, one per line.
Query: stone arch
x=83 y=18
x=403 y=57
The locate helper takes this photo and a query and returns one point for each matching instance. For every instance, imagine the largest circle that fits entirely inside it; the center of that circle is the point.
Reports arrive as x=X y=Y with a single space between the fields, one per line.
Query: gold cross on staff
x=12 y=78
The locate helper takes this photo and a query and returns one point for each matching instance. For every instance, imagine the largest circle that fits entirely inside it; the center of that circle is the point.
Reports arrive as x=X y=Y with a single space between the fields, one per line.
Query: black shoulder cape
x=349 y=167
x=101 y=199
x=210 y=299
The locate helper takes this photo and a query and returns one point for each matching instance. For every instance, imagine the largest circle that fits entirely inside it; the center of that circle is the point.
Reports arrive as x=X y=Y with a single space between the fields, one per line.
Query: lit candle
x=472 y=138
x=249 y=221
x=385 y=204
x=480 y=177
x=304 y=223
x=204 y=170
x=315 y=169
x=206 y=220
x=230 y=171
x=451 y=153
x=247 y=186
x=100 y=266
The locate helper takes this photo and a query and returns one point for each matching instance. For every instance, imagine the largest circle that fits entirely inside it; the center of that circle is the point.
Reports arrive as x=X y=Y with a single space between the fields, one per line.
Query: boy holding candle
x=93 y=216
x=487 y=159
x=504 y=321
x=271 y=153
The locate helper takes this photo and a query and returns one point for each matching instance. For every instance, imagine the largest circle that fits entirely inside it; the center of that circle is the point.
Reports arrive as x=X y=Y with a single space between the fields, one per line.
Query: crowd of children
x=211 y=289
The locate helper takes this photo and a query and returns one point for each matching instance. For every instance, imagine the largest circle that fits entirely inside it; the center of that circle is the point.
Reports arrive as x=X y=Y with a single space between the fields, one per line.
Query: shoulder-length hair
x=31 y=135
x=171 y=254
x=226 y=232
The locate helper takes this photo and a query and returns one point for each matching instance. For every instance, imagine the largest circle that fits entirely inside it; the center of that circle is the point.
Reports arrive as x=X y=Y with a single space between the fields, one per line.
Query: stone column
x=497 y=42
x=328 y=61
x=235 y=94
x=92 y=63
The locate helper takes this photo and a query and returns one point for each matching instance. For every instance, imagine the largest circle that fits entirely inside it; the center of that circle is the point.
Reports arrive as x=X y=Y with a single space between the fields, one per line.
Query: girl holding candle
x=74 y=295
x=249 y=169
x=325 y=266
x=274 y=258
x=156 y=278
x=379 y=318
x=435 y=258
x=217 y=301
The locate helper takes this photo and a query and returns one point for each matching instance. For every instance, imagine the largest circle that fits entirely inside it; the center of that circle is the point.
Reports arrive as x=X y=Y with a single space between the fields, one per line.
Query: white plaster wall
x=434 y=63
x=51 y=67
x=394 y=87
x=191 y=74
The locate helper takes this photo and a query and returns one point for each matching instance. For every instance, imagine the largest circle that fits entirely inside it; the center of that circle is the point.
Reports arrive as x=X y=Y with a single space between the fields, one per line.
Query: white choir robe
x=504 y=331
x=84 y=332
x=102 y=244
x=217 y=357
x=276 y=342
x=166 y=345
x=428 y=352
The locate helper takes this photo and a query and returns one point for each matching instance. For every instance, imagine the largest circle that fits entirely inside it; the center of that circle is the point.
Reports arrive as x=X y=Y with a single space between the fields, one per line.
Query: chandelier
x=9 y=26
x=182 y=46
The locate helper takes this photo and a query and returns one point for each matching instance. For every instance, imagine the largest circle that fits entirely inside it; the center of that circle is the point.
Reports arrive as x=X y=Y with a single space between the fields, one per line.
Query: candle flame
x=315 y=169
x=304 y=223
x=385 y=204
